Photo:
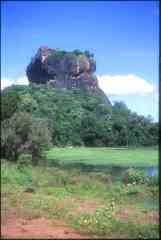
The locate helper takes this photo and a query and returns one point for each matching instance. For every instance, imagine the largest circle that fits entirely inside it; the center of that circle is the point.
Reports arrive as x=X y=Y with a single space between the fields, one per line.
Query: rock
x=60 y=69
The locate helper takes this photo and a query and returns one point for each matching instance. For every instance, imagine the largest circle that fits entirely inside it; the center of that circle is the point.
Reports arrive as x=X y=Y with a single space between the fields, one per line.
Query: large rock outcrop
x=61 y=69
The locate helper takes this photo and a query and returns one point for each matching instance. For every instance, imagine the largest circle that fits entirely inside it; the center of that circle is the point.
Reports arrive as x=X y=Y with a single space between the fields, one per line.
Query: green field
x=122 y=157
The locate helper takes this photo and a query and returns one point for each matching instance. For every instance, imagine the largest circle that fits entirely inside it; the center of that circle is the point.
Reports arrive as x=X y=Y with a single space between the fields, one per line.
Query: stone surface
x=61 y=69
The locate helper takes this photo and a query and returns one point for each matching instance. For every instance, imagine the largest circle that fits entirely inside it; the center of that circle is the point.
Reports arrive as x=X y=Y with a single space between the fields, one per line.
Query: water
x=119 y=171
x=149 y=171
x=152 y=171
x=116 y=171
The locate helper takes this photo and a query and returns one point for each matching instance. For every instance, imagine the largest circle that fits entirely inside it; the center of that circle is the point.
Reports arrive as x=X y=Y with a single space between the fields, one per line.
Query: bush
x=9 y=103
x=23 y=133
x=99 y=222
x=153 y=181
x=12 y=175
x=39 y=140
x=135 y=176
x=24 y=160
x=77 y=52
x=14 y=135
x=134 y=189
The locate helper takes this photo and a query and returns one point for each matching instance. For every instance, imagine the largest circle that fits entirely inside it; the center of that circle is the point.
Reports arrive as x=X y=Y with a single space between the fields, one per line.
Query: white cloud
x=22 y=81
x=6 y=82
x=124 y=85
x=112 y=85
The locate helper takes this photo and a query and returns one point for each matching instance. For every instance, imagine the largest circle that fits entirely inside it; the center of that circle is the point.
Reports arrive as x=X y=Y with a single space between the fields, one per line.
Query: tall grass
x=58 y=193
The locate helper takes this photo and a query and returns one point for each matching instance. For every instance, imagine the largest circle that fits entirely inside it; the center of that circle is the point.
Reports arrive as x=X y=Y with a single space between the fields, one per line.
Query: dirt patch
x=138 y=216
x=86 y=207
x=38 y=228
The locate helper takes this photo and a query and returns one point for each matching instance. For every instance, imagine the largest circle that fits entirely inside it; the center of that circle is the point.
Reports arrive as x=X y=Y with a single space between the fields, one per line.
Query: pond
x=116 y=172
x=152 y=171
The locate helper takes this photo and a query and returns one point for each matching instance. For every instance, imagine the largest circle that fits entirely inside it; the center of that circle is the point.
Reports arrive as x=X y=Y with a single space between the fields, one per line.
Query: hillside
x=78 y=117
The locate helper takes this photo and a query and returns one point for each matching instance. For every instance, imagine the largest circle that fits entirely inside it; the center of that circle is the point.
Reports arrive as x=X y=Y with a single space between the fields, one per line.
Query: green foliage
x=149 y=231
x=135 y=176
x=99 y=222
x=38 y=140
x=153 y=181
x=104 y=157
x=59 y=193
x=9 y=103
x=78 y=118
x=59 y=53
x=137 y=231
x=22 y=133
x=134 y=189
x=77 y=52
x=88 y=54
x=103 y=223
x=14 y=135
x=131 y=129
x=28 y=103
x=56 y=56
x=24 y=160
x=11 y=174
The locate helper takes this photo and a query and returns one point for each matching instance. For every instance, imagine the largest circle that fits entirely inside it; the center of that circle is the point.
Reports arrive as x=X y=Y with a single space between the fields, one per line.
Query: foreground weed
x=99 y=222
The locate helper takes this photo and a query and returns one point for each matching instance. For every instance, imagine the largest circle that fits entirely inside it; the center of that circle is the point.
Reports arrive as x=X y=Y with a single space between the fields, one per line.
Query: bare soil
x=19 y=228
x=86 y=206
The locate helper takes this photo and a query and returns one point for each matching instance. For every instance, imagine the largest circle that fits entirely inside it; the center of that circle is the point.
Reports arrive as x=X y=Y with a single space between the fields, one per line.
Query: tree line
x=35 y=117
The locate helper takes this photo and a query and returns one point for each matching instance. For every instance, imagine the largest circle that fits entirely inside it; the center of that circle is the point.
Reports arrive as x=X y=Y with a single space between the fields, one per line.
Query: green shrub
x=23 y=133
x=153 y=181
x=23 y=178
x=103 y=223
x=135 y=176
x=10 y=174
x=149 y=231
x=132 y=230
x=24 y=160
x=155 y=191
x=134 y=189
x=98 y=223
x=9 y=102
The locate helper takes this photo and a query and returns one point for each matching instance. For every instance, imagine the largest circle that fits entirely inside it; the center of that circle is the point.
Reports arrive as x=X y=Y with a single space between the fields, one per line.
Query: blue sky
x=124 y=37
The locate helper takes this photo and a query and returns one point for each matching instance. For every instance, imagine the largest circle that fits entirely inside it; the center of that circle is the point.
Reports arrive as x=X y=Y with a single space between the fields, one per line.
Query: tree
x=88 y=54
x=9 y=103
x=14 y=134
x=120 y=114
x=77 y=52
x=24 y=134
x=88 y=129
x=74 y=117
x=39 y=140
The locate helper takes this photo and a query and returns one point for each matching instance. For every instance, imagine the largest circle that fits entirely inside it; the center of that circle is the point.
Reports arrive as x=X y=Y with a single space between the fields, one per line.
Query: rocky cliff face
x=61 y=69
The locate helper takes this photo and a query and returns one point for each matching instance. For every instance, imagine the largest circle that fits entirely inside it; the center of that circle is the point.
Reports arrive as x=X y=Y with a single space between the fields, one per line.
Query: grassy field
x=89 y=202
x=122 y=157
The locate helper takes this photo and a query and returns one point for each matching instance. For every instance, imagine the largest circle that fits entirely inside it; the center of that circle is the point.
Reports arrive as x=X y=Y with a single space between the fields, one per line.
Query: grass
x=88 y=201
x=143 y=157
